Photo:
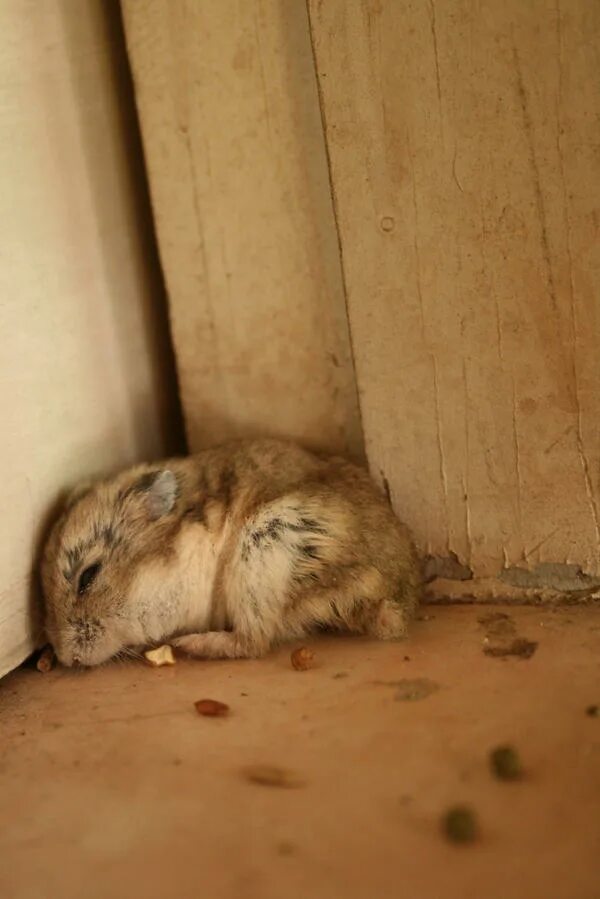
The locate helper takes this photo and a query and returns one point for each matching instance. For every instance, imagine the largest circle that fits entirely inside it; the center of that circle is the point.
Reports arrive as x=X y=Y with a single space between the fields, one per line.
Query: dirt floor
x=111 y=784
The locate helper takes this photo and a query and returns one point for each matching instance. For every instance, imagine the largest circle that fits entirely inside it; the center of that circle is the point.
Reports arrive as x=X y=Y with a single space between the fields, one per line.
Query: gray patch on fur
x=107 y=534
x=264 y=537
x=245 y=551
x=309 y=550
x=307 y=524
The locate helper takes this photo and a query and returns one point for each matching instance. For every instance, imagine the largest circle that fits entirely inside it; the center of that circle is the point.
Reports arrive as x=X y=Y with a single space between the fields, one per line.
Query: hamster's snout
x=84 y=641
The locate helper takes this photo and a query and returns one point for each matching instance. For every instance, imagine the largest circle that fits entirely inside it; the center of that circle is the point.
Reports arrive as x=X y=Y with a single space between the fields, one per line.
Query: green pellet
x=460 y=824
x=506 y=763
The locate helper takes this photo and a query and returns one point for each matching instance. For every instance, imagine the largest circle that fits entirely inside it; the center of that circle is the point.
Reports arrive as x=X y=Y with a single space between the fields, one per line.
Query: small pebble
x=505 y=762
x=211 y=708
x=302 y=659
x=460 y=824
x=593 y=711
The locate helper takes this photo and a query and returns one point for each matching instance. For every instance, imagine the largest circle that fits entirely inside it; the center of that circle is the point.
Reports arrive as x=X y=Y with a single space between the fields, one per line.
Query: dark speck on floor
x=519 y=647
x=285 y=847
x=410 y=689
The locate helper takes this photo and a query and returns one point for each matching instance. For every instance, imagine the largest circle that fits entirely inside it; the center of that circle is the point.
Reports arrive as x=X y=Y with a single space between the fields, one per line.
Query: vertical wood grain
x=463 y=141
x=235 y=151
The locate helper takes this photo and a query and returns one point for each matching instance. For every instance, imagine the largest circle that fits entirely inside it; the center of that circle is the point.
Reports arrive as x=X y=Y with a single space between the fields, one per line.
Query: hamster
x=224 y=554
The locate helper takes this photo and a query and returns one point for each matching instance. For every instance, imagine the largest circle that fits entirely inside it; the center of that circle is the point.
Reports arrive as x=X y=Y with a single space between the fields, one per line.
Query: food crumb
x=162 y=655
x=506 y=763
x=272 y=776
x=211 y=708
x=302 y=659
x=46 y=660
x=460 y=824
x=339 y=674
x=593 y=711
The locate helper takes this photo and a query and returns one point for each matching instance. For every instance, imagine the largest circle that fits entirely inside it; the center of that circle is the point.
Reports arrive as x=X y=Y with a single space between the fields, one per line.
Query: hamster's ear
x=160 y=492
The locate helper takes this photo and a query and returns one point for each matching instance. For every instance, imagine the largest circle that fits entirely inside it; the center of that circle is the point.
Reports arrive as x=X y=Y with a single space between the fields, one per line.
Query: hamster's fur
x=224 y=554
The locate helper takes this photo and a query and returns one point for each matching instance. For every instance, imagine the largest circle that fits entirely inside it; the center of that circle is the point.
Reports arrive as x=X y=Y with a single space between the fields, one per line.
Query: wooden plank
x=236 y=158
x=84 y=369
x=463 y=143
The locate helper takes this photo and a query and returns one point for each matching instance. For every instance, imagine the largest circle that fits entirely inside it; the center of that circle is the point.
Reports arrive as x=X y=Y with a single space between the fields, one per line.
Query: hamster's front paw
x=189 y=643
x=211 y=645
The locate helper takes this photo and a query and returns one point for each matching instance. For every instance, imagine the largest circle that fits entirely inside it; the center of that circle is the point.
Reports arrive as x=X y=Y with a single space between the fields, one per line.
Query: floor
x=112 y=784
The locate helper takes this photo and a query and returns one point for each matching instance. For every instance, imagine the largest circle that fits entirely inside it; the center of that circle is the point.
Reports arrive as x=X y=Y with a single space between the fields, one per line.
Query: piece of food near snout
x=162 y=655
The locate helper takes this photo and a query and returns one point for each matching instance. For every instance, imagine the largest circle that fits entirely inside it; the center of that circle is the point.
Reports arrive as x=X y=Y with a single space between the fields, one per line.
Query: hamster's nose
x=76 y=661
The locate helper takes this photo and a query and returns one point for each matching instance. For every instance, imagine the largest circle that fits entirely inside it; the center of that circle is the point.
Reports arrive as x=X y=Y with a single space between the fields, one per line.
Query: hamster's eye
x=86 y=577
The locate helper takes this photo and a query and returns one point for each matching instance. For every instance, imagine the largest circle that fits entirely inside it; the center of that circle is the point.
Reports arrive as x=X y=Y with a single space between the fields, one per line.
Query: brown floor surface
x=112 y=786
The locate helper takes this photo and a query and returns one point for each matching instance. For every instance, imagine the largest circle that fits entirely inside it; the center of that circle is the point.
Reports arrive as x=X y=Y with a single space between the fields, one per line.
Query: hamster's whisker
x=118 y=658
x=126 y=654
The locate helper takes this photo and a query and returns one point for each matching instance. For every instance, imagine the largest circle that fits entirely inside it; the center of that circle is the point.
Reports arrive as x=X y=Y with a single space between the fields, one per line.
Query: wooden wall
x=236 y=158
x=462 y=144
x=466 y=172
